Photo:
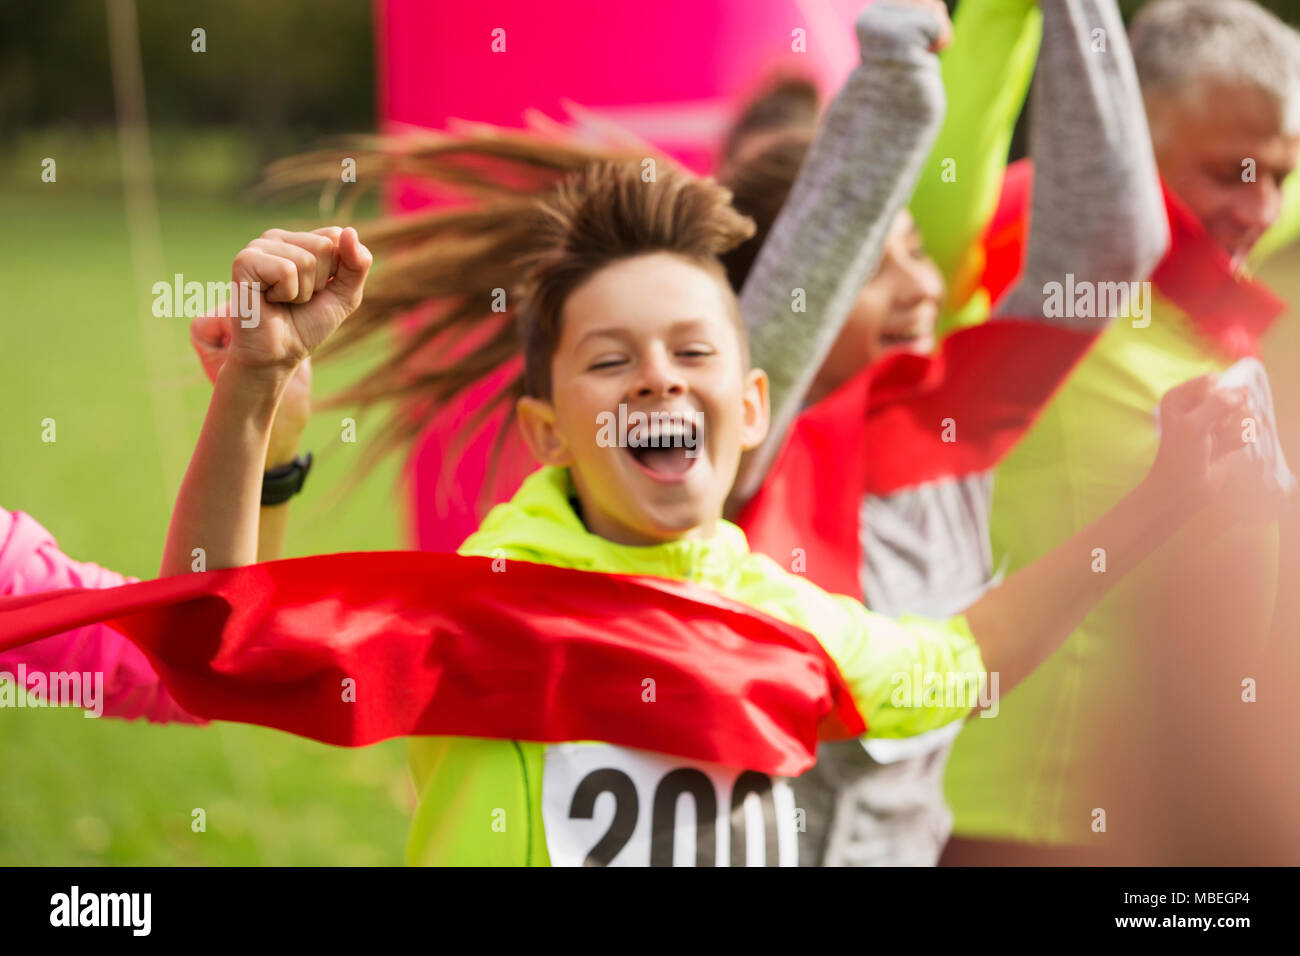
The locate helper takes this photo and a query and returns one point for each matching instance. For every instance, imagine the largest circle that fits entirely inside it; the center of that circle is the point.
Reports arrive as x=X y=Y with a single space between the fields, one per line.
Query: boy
x=625 y=303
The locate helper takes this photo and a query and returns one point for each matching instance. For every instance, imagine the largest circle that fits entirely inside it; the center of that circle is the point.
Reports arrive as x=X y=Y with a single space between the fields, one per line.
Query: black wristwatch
x=281 y=484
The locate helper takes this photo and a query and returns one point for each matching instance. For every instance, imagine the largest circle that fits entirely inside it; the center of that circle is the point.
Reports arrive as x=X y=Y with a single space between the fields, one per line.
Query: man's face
x=1203 y=138
x=656 y=334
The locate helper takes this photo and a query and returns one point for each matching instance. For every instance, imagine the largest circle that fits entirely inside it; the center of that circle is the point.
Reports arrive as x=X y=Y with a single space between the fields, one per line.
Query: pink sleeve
x=31 y=562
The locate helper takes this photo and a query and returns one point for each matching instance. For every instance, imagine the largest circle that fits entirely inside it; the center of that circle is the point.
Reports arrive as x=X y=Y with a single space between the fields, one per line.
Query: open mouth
x=910 y=334
x=668 y=450
x=891 y=339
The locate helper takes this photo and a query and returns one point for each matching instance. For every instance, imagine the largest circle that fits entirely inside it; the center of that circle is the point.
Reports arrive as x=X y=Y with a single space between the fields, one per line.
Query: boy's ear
x=754 y=424
x=537 y=422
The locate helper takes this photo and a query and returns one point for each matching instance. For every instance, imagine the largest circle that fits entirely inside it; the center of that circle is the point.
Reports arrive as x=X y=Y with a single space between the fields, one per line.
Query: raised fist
x=1202 y=457
x=300 y=286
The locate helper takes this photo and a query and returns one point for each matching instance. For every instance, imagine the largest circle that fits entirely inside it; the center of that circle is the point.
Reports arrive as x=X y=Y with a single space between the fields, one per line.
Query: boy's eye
x=606 y=363
x=696 y=351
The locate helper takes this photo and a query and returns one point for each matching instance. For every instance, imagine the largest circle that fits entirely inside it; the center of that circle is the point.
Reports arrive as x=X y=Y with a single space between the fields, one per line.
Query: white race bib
x=610 y=806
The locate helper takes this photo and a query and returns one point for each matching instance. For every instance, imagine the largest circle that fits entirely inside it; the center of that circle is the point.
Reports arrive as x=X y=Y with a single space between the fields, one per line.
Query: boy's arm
x=217 y=507
x=1201 y=465
x=210 y=336
x=273 y=520
x=827 y=241
x=1097 y=209
x=1015 y=626
x=307 y=284
x=986 y=75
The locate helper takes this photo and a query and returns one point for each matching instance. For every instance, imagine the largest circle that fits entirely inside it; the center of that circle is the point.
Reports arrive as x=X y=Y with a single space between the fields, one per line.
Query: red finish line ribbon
x=439 y=644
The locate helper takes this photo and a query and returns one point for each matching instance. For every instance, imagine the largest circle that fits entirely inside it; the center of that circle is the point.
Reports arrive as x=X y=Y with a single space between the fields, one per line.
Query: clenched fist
x=307 y=284
x=1201 y=457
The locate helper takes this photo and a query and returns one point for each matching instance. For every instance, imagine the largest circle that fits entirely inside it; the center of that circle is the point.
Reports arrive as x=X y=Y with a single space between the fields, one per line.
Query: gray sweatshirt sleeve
x=828 y=239
x=1097 y=210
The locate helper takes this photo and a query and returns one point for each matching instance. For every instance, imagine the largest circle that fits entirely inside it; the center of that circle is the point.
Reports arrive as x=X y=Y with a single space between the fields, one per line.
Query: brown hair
x=786 y=103
x=607 y=213
x=760 y=185
x=490 y=279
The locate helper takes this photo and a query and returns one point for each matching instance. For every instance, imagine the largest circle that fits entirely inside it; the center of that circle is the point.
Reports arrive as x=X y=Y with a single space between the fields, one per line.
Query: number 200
x=684 y=780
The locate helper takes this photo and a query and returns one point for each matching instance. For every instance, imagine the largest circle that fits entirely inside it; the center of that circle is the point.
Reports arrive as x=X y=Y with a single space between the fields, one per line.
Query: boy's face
x=653 y=333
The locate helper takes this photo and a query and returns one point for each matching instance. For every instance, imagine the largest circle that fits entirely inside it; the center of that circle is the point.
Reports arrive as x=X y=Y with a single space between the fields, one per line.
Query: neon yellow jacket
x=480 y=800
x=986 y=74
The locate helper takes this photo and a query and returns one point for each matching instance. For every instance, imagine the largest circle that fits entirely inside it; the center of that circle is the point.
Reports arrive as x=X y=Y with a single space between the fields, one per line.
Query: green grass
x=127 y=398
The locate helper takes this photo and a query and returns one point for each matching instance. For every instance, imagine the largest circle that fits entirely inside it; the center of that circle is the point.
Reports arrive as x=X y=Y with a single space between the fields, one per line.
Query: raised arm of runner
x=306 y=284
x=210 y=336
x=828 y=239
x=1097 y=213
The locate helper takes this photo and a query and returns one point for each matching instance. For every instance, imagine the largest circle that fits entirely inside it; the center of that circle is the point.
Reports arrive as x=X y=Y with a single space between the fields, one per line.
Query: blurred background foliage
x=275 y=78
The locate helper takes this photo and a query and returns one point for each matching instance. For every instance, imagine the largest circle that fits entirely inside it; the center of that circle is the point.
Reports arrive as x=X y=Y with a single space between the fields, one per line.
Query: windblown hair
x=1178 y=42
x=462 y=292
x=607 y=213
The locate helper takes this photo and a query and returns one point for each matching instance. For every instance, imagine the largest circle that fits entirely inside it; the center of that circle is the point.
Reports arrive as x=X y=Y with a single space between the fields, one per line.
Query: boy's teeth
x=671 y=431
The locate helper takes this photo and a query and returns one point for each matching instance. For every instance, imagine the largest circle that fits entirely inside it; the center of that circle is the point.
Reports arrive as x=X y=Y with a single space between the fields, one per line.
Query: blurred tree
x=286 y=72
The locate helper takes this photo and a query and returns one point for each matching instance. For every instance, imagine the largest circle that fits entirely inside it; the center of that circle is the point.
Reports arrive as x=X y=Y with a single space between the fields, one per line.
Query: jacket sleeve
x=829 y=237
x=986 y=73
x=30 y=563
x=1097 y=212
x=907 y=675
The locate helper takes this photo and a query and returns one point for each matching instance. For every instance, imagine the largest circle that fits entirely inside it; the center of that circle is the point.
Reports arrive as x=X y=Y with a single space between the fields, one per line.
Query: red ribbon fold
x=441 y=644
x=1231 y=310
x=901 y=422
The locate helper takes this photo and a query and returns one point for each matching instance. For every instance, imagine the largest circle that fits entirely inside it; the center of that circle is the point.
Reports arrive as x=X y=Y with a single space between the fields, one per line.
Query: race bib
x=611 y=806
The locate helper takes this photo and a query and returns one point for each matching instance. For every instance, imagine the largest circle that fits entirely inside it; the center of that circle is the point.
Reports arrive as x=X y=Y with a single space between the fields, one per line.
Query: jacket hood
x=540 y=523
